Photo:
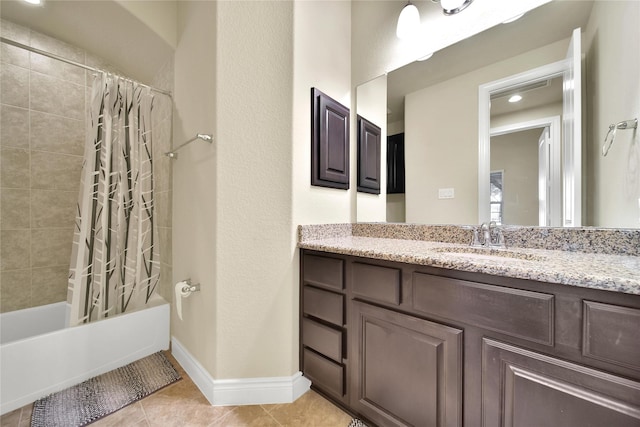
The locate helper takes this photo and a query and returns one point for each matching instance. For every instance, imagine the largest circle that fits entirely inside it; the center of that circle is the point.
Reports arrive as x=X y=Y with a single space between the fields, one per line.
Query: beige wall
x=516 y=154
x=195 y=179
x=327 y=66
x=441 y=139
x=611 y=42
x=249 y=82
x=254 y=169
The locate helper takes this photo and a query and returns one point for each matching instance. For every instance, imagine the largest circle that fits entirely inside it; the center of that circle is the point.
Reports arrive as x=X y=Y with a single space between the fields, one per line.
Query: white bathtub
x=40 y=355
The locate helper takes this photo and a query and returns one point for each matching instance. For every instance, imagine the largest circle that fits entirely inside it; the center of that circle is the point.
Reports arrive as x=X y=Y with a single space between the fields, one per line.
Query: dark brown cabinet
x=329 y=142
x=524 y=388
x=368 y=156
x=395 y=164
x=322 y=333
x=407 y=345
x=407 y=371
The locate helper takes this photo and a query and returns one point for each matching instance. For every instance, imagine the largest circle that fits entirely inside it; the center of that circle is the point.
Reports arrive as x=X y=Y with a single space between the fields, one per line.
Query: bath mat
x=100 y=396
x=357 y=423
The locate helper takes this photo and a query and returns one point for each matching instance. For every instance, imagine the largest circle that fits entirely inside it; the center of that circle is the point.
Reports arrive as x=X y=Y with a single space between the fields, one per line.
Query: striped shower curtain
x=115 y=261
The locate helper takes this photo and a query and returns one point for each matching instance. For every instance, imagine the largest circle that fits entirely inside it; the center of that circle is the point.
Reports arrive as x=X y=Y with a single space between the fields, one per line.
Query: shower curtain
x=115 y=262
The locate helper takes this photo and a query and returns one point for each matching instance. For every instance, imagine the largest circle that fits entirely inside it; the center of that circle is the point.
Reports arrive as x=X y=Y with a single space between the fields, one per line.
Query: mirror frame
x=555 y=69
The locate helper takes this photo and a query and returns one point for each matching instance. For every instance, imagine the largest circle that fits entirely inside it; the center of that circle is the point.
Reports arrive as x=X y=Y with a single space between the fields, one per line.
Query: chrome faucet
x=491 y=236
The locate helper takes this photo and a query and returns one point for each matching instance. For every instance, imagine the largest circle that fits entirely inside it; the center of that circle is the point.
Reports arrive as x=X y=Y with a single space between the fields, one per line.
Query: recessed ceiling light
x=515 y=98
x=33 y=1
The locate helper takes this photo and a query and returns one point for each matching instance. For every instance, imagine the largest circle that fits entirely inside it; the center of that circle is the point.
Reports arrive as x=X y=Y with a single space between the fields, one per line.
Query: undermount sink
x=489 y=253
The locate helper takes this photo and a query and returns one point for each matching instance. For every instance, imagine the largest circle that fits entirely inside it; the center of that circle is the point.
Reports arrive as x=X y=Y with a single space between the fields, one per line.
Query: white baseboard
x=244 y=391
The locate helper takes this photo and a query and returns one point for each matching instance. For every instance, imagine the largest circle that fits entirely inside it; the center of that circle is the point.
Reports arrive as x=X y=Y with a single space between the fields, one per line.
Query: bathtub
x=39 y=354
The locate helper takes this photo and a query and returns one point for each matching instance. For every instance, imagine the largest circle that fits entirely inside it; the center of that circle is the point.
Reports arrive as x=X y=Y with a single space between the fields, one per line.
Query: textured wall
x=613 y=188
x=42 y=139
x=194 y=178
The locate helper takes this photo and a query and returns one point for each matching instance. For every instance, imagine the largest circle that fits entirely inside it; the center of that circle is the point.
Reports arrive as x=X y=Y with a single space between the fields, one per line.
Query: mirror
x=435 y=103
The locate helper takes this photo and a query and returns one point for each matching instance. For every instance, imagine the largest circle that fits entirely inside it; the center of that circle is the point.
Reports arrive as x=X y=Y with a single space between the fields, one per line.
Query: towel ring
x=611 y=134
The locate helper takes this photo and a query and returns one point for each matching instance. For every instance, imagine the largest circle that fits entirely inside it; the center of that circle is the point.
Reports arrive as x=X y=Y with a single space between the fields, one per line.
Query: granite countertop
x=619 y=272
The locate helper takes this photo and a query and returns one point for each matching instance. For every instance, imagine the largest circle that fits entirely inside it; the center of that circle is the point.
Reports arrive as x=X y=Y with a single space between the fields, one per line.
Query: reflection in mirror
x=525 y=145
x=434 y=103
x=566 y=185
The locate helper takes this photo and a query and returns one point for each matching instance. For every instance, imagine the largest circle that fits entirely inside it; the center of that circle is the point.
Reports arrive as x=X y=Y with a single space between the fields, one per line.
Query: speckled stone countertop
x=604 y=259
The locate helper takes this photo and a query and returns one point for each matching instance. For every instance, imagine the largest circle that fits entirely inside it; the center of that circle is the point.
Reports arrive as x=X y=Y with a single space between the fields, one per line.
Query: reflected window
x=496 y=196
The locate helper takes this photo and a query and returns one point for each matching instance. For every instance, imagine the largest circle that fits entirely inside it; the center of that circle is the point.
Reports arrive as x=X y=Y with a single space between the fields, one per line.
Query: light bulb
x=408 y=22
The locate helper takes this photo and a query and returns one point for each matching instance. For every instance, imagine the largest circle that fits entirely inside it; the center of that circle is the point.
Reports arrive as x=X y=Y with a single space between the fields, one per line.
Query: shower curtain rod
x=77 y=64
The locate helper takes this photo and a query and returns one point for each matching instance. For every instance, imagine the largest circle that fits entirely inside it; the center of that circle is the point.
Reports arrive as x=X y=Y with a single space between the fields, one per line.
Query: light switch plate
x=446 y=193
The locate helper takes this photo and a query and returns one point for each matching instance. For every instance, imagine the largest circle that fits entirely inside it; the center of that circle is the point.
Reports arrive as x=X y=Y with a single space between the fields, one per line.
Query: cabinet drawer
x=323 y=339
x=522 y=314
x=611 y=333
x=323 y=271
x=324 y=305
x=376 y=283
x=324 y=373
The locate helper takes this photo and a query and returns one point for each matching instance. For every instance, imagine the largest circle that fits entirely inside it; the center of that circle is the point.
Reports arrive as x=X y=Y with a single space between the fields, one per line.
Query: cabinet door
x=523 y=388
x=395 y=164
x=406 y=371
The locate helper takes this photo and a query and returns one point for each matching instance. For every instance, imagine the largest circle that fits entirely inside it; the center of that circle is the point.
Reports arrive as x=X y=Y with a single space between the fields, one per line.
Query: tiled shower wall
x=42 y=132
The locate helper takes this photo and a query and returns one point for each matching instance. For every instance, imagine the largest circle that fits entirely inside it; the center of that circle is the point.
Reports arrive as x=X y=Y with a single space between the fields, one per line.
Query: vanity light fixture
x=408 y=22
x=515 y=98
x=451 y=7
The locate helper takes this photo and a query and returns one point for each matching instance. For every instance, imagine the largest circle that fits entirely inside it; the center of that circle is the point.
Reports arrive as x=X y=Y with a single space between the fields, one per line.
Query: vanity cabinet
x=435 y=347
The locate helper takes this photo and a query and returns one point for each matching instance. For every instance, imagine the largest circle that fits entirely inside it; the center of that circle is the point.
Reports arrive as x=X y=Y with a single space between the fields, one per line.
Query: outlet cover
x=446 y=193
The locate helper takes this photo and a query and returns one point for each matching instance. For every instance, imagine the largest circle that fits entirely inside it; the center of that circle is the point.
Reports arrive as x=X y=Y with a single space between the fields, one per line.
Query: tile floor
x=182 y=404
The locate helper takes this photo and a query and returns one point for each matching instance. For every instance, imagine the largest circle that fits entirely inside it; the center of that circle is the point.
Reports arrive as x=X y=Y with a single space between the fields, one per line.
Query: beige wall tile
x=15 y=208
x=15 y=32
x=57 y=134
x=51 y=247
x=55 y=96
x=49 y=285
x=15 y=290
x=51 y=171
x=14 y=249
x=53 y=208
x=11 y=54
x=57 y=69
x=14 y=127
x=15 y=168
x=14 y=85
